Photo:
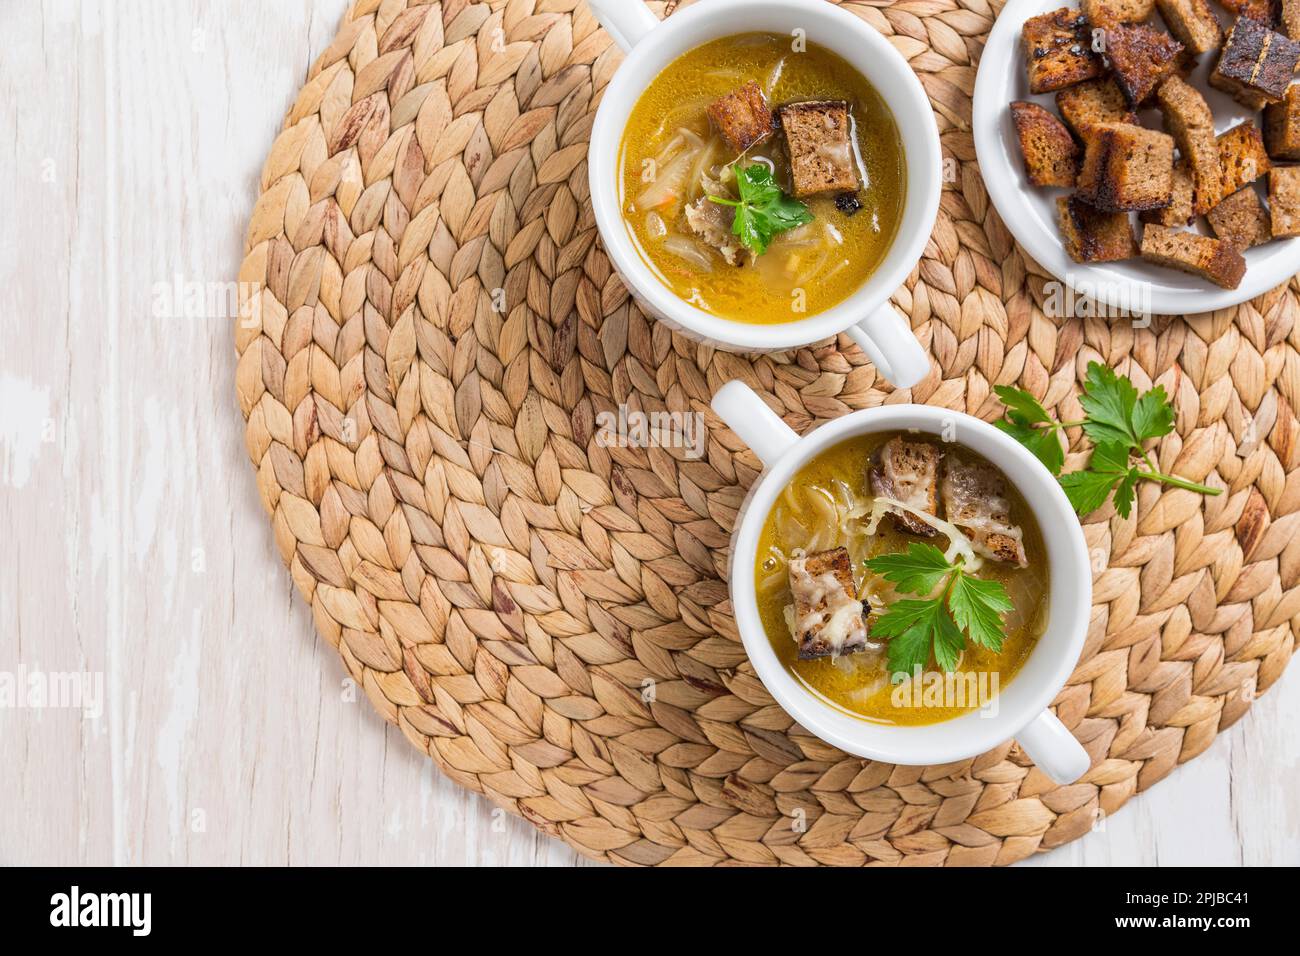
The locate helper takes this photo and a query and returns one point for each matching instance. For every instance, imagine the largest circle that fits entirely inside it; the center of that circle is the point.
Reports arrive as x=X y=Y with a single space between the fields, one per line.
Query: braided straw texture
x=547 y=618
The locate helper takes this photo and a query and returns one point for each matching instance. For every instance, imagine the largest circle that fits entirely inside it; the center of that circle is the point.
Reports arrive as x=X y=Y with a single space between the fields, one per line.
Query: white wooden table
x=132 y=136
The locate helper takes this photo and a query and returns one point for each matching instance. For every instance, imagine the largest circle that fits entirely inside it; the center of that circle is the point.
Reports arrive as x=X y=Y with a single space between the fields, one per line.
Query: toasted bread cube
x=1284 y=200
x=742 y=117
x=1256 y=64
x=1282 y=125
x=819 y=137
x=908 y=472
x=1242 y=156
x=1141 y=58
x=1126 y=167
x=1193 y=22
x=975 y=499
x=1086 y=104
x=1241 y=220
x=1058 y=50
x=826 y=624
x=1051 y=155
x=1179 y=212
x=1187 y=116
x=1263 y=11
x=1290 y=18
x=1109 y=13
x=1211 y=259
x=1094 y=236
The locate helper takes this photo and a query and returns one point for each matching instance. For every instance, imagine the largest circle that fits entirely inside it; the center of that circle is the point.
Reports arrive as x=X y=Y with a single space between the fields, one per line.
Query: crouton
x=1282 y=125
x=1179 y=212
x=1211 y=259
x=1289 y=18
x=1050 y=152
x=1141 y=58
x=1187 y=116
x=1264 y=11
x=1241 y=220
x=975 y=499
x=742 y=117
x=1058 y=50
x=1106 y=13
x=1086 y=104
x=908 y=472
x=1126 y=167
x=818 y=136
x=1256 y=65
x=1284 y=200
x=1193 y=23
x=1242 y=156
x=828 y=617
x=1094 y=236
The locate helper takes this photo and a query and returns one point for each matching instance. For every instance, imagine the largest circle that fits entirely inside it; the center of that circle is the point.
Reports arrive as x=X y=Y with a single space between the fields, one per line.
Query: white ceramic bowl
x=1021 y=710
x=1030 y=211
x=866 y=315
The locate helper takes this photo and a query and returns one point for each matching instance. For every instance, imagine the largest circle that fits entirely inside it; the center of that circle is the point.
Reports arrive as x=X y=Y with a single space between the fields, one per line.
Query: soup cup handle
x=626 y=21
x=754 y=423
x=1054 y=749
x=889 y=343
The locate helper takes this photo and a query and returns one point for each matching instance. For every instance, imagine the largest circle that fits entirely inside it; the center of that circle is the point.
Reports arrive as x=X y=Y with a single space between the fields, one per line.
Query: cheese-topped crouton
x=1241 y=220
x=1282 y=125
x=742 y=117
x=1284 y=200
x=1094 y=236
x=1086 y=104
x=908 y=472
x=819 y=138
x=1242 y=156
x=1256 y=64
x=1050 y=152
x=1142 y=58
x=1188 y=118
x=1127 y=167
x=828 y=617
x=1211 y=259
x=1193 y=22
x=1058 y=50
x=975 y=499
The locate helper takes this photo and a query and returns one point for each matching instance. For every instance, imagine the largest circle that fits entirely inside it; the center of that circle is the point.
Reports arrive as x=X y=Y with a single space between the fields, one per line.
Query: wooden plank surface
x=134 y=132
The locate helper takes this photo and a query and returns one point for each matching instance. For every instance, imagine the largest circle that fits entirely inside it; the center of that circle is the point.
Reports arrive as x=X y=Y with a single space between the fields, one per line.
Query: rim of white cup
x=1043 y=673
x=849 y=37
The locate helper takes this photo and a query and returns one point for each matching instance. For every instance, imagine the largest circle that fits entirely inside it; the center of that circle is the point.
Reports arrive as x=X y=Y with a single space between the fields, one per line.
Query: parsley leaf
x=939 y=623
x=1024 y=414
x=763 y=210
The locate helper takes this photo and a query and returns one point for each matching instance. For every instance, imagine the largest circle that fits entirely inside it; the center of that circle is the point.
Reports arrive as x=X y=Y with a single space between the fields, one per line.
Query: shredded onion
x=690 y=251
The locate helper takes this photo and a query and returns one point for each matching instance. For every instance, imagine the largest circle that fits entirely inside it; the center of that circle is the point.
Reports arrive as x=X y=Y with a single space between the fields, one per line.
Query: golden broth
x=793 y=279
x=803 y=517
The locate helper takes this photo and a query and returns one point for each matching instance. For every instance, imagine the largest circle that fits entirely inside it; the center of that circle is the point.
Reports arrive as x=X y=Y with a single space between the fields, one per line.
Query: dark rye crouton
x=1282 y=125
x=1106 y=13
x=1256 y=64
x=1193 y=22
x=828 y=618
x=1086 y=104
x=742 y=117
x=1241 y=220
x=1141 y=58
x=1094 y=236
x=908 y=472
x=819 y=138
x=975 y=499
x=1058 y=50
x=1242 y=156
x=1211 y=259
x=1187 y=116
x=1179 y=212
x=1050 y=152
x=1126 y=167
x=1284 y=200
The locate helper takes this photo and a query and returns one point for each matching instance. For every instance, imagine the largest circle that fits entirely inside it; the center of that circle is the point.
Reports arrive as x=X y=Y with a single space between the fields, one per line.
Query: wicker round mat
x=546 y=616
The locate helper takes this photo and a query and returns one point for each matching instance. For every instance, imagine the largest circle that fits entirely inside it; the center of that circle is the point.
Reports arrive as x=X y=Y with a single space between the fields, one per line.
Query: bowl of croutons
x=1146 y=153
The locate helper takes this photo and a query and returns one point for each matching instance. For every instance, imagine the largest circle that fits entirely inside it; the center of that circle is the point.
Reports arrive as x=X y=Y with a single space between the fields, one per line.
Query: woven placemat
x=547 y=617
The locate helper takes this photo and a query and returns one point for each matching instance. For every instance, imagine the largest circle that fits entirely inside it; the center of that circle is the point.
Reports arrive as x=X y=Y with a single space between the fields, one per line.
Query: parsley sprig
x=952 y=606
x=763 y=210
x=1119 y=422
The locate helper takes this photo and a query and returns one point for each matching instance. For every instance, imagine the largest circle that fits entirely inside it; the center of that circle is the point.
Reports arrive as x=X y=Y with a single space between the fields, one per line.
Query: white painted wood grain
x=131 y=138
